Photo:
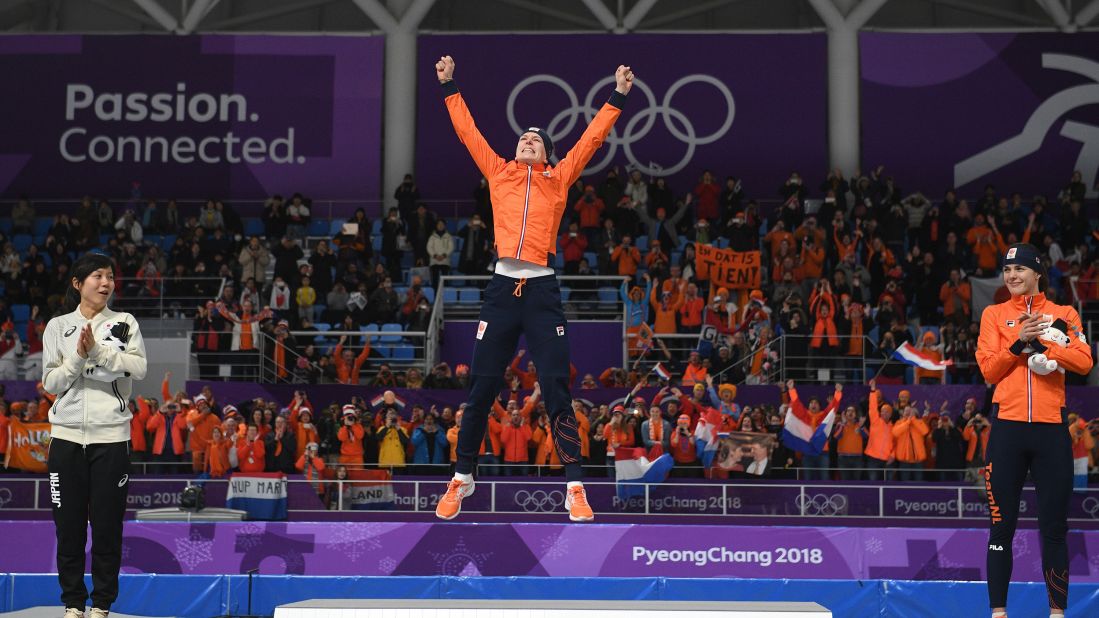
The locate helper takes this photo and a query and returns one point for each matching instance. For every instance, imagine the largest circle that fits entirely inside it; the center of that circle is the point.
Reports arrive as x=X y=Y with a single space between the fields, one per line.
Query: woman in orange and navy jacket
x=1025 y=345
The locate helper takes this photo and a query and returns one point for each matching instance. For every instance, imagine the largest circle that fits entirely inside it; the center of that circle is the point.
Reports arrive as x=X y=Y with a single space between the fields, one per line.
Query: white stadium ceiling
x=347 y=16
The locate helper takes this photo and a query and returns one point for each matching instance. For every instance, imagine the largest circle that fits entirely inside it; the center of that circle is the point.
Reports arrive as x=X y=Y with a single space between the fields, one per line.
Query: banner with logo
x=261 y=494
x=965 y=110
x=28 y=446
x=745 y=452
x=383 y=548
x=235 y=117
x=756 y=118
x=374 y=493
x=735 y=270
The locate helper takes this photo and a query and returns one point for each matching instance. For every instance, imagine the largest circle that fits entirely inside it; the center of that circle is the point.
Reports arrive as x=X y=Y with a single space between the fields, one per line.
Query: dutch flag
x=631 y=464
x=706 y=437
x=798 y=433
x=910 y=355
x=662 y=372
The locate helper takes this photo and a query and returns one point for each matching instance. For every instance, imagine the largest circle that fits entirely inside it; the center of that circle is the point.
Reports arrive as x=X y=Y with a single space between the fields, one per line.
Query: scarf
x=280 y=359
x=656 y=431
x=825 y=327
x=246 y=332
x=854 y=347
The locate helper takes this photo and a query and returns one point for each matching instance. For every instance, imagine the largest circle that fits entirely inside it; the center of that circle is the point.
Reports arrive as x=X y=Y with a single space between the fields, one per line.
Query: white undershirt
x=521 y=269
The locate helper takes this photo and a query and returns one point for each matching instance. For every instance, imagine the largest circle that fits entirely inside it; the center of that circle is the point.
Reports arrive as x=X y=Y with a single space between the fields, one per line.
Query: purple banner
x=459 y=336
x=231 y=117
x=964 y=110
x=373 y=549
x=756 y=118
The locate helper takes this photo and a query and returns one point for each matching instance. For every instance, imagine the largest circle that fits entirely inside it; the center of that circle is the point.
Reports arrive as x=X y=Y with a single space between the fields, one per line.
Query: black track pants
x=535 y=312
x=1045 y=450
x=88 y=484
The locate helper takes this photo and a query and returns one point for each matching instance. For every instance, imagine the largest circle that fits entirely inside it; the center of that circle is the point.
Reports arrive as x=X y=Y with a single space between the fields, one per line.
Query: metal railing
x=888 y=501
x=582 y=297
x=402 y=349
x=141 y=298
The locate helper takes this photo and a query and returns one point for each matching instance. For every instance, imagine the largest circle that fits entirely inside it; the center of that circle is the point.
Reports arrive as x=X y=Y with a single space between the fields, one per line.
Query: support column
x=843 y=77
x=400 y=22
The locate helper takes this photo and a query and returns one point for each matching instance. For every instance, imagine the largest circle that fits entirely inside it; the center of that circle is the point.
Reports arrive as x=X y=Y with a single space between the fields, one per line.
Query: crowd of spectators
x=851 y=268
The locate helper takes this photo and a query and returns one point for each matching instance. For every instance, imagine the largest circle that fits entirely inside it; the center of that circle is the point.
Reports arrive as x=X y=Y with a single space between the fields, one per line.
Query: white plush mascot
x=1055 y=333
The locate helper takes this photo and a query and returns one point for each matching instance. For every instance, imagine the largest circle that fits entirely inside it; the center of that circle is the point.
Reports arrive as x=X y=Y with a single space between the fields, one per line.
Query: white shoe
x=72 y=612
x=98 y=613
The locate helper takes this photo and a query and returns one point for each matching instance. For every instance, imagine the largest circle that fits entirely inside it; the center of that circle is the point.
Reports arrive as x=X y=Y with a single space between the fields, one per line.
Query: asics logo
x=539 y=501
x=71 y=330
x=821 y=504
x=640 y=124
x=1034 y=132
x=125 y=477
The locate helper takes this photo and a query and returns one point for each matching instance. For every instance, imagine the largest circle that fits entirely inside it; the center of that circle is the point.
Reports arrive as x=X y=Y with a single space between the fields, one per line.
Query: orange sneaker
x=576 y=501
x=451 y=503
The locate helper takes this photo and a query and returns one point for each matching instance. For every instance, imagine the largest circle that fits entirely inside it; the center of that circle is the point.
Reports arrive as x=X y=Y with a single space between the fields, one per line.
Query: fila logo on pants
x=996 y=547
x=55 y=489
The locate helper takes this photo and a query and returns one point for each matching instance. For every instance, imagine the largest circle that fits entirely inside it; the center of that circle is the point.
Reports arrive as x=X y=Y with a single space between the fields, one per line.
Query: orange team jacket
x=1021 y=394
x=204 y=424
x=880 y=443
x=345 y=374
x=528 y=201
x=251 y=456
x=217 y=458
x=158 y=426
x=665 y=317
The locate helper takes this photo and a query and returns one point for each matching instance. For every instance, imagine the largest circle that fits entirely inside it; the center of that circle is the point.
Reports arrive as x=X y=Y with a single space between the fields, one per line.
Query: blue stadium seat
x=450 y=295
x=558 y=260
x=168 y=241
x=318 y=311
x=317 y=227
x=721 y=243
x=608 y=295
x=22 y=242
x=642 y=243
x=391 y=328
x=253 y=227
x=6 y=225
x=153 y=239
x=335 y=226
x=103 y=238
x=376 y=243
x=383 y=350
x=682 y=242
x=592 y=258
x=429 y=294
x=454 y=259
x=403 y=352
x=401 y=292
x=565 y=293
x=469 y=295
x=323 y=326
x=376 y=226
x=42 y=226
x=459 y=242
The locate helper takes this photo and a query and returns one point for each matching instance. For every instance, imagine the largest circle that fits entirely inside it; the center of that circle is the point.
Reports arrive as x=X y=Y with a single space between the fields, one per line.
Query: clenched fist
x=623 y=78
x=444 y=69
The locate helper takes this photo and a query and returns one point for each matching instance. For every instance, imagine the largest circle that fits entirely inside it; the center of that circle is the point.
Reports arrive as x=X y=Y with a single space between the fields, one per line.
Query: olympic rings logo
x=1091 y=506
x=682 y=129
x=539 y=501
x=820 y=504
x=5 y=497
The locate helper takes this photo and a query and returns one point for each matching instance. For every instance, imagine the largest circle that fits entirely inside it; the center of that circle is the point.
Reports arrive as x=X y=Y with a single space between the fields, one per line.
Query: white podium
x=455 y=608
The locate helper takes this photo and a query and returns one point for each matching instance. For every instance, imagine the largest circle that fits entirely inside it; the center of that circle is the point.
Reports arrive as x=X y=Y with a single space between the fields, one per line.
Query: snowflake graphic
x=125 y=551
x=1094 y=562
x=249 y=536
x=387 y=565
x=194 y=550
x=355 y=540
x=1020 y=546
x=459 y=559
x=874 y=545
x=945 y=570
x=555 y=547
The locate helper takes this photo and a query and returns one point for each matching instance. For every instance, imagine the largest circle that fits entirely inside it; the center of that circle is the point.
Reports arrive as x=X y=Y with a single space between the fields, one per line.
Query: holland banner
x=372 y=490
x=911 y=356
x=380 y=399
x=261 y=494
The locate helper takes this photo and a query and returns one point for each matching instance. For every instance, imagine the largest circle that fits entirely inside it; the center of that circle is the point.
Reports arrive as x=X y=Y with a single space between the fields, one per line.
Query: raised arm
x=574 y=162
x=483 y=155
